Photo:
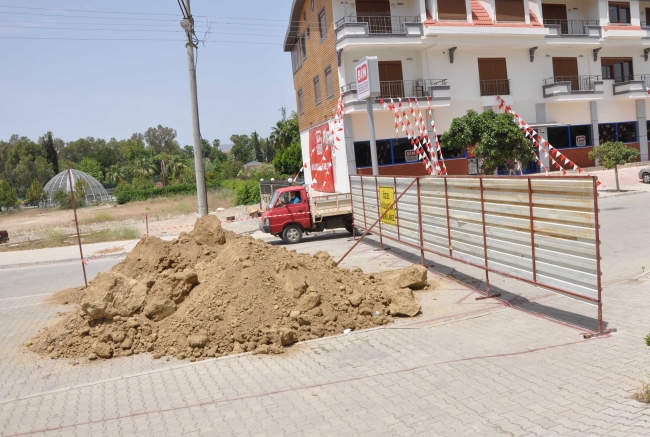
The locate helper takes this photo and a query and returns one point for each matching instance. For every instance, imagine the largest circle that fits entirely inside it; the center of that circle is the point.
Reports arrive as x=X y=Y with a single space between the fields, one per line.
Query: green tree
x=116 y=174
x=47 y=142
x=144 y=167
x=92 y=167
x=161 y=139
x=285 y=132
x=288 y=161
x=612 y=154
x=495 y=137
x=35 y=193
x=8 y=196
x=81 y=188
x=242 y=148
x=259 y=156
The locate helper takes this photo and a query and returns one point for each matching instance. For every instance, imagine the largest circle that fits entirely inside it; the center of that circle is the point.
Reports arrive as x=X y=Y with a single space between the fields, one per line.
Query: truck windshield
x=273 y=200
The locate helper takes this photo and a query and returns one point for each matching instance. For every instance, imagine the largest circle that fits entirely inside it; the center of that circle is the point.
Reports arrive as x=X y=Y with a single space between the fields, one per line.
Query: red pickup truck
x=292 y=213
x=4 y=236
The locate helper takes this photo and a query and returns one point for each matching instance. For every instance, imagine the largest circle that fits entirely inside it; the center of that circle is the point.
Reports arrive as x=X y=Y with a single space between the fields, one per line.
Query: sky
x=53 y=80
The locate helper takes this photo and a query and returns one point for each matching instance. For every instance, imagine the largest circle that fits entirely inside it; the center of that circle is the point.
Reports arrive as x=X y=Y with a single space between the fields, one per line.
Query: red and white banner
x=320 y=158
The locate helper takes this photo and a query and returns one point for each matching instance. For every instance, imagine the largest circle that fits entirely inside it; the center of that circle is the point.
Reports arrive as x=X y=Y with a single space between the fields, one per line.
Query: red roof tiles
x=480 y=17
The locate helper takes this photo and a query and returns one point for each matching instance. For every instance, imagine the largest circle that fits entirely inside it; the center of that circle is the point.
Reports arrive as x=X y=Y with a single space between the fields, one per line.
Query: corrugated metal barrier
x=541 y=230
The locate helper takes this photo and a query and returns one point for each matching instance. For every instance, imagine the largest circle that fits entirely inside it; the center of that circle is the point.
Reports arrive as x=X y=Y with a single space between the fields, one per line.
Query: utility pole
x=188 y=25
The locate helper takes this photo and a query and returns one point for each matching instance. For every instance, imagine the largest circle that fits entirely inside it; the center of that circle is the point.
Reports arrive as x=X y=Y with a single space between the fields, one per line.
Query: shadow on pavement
x=513 y=299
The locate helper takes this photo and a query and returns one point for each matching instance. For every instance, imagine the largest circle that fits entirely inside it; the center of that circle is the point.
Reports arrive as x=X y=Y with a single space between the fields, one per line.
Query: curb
x=58 y=261
x=631 y=193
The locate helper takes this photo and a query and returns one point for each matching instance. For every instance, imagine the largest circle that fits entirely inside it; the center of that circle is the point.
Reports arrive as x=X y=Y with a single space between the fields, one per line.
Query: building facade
x=577 y=70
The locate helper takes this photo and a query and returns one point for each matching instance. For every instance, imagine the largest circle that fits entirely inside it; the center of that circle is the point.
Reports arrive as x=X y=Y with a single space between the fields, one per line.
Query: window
x=510 y=10
x=303 y=46
x=301 y=102
x=389 y=152
x=317 y=94
x=296 y=57
x=619 y=69
x=570 y=136
x=329 y=83
x=400 y=147
x=308 y=32
x=493 y=75
x=322 y=24
x=624 y=132
x=452 y=10
x=619 y=13
x=311 y=5
x=304 y=15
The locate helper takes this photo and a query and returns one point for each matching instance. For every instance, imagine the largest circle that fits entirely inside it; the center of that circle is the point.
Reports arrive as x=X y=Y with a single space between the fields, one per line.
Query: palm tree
x=176 y=164
x=115 y=174
x=144 y=167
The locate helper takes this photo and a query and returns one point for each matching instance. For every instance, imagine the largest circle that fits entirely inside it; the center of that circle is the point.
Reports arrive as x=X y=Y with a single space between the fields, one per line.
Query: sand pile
x=212 y=293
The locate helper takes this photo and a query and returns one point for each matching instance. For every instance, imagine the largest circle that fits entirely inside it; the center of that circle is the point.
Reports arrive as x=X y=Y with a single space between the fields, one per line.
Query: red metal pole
x=448 y=221
x=363 y=203
x=396 y=208
x=598 y=272
x=381 y=239
x=485 y=250
x=532 y=229
x=421 y=229
x=76 y=221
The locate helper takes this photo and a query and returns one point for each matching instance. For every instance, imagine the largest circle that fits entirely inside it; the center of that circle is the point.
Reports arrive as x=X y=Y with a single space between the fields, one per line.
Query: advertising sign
x=386 y=199
x=367 y=77
x=581 y=140
x=320 y=159
x=411 y=155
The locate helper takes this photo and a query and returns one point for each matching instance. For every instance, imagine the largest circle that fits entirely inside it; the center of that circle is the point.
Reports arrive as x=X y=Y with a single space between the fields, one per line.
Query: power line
x=85 y=11
x=85 y=16
x=133 y=39
x=198 y=24
x=132 y=30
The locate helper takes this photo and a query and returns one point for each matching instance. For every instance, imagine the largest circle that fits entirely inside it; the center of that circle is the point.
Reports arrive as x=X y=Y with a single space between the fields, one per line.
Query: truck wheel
x=292 y=234
x=646 y=178
x=349 y=228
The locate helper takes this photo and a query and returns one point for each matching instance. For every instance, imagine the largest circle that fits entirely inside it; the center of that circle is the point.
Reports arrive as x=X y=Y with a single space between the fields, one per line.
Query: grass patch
x=182 y=208
x=643 y=393
x=99 y=217
x=647 y=340
x=115 y=234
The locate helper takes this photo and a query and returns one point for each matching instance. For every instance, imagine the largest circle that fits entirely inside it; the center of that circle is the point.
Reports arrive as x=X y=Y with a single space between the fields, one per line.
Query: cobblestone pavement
x=513 y=368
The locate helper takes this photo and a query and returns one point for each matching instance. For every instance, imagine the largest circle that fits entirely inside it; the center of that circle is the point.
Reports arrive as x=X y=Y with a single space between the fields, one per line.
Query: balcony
x=573 y=27
x=435 y=89
x=632 y=87
x=576 y=86
x=376 y=26
x=499 y=87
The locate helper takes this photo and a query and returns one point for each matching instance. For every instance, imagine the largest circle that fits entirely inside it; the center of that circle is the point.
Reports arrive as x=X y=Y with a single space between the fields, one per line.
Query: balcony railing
x=396 y=89
x=381 y=25
x=499 y=87
x=637 y=85
x=572 y=27
x=577 y=83
x=630 y=78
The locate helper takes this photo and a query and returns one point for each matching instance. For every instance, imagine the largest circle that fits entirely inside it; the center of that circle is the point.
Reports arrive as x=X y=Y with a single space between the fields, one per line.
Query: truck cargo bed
x=332 y=205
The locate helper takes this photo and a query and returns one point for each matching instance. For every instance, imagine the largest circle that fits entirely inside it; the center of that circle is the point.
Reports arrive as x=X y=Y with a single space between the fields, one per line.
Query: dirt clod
x=212 y=293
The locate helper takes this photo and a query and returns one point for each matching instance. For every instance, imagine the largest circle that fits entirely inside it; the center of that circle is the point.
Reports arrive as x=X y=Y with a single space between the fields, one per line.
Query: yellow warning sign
x=386 y=199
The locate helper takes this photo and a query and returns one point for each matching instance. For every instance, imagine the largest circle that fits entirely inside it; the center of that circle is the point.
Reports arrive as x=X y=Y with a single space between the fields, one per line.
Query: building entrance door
x=391 y=79
x=566 y=70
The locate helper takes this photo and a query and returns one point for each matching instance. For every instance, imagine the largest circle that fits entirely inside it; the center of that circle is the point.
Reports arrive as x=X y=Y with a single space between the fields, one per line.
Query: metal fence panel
x=541 y=230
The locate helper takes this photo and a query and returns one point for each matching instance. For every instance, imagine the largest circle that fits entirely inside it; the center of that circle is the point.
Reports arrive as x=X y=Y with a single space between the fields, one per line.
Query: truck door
x=292 y=207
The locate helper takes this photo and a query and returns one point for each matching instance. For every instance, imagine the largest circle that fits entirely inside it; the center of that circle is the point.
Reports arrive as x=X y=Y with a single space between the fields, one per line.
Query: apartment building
x=577 y=70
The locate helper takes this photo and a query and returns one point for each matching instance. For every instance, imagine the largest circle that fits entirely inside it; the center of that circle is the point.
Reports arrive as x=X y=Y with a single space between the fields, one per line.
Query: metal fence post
x=421 y=226
x=485 y=248
x=532 y=229
x=381 y=239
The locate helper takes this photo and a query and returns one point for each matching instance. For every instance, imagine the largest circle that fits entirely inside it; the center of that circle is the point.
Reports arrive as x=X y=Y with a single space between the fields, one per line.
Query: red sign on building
x=320 y=159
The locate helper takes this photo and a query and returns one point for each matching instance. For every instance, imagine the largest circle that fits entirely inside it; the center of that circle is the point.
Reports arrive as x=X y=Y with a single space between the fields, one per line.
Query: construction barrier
x=540 y=230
